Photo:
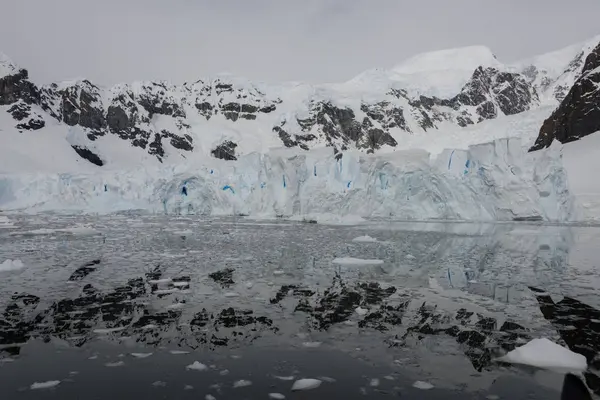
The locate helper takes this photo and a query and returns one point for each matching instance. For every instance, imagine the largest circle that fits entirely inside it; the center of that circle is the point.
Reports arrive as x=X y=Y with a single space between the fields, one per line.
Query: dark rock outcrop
x=578 y=115
x=89 y=155
x=225 y=151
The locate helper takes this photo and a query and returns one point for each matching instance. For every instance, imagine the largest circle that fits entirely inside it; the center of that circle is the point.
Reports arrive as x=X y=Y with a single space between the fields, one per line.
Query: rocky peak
x=578 y=115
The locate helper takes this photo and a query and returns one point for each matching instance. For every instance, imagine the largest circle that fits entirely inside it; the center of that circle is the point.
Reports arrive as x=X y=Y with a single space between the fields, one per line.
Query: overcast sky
x=110 y=41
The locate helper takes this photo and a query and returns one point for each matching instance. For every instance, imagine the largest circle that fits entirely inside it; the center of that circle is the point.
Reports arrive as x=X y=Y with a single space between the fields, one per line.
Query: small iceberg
x=543 y=353
x=355 y=261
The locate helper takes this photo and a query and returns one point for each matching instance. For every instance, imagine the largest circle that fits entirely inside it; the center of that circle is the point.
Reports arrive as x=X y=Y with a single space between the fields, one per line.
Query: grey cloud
x=111 y=41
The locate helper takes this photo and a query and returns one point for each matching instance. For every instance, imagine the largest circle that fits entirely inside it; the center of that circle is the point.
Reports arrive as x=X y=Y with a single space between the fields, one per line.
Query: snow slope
x=474 y=171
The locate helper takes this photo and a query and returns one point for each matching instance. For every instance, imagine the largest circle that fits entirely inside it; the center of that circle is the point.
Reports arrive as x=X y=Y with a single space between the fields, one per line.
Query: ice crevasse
x=492 y=181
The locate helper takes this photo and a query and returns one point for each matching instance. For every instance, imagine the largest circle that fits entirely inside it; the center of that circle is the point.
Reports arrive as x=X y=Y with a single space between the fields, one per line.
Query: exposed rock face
x=155 y=115
x=225 y=151
x=578 y=115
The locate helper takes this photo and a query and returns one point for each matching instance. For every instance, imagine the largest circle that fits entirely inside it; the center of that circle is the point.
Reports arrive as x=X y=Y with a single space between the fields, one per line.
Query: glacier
x=497 y=180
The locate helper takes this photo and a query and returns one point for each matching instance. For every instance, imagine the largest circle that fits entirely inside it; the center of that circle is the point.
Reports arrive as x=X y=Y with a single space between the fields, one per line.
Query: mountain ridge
x=226 y=116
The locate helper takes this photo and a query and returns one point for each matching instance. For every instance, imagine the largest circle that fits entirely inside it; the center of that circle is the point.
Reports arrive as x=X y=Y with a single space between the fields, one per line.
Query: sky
x=112 y=41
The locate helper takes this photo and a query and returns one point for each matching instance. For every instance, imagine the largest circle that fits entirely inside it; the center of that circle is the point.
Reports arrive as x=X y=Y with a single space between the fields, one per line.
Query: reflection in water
x=227 y=286
x=579 y=326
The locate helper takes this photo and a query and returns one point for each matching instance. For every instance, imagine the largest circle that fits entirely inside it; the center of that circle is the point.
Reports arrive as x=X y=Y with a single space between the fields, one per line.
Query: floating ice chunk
x=241 y=383
x=188 y=387
x=93 y=357
x=102 y=331
x=210 y=397
x=159 y=384
x=311 y=344
x=175 y=306
x=224 y=372
x=249 y=285
x=276 y=396
x=410 y=257
x=327 y=379
x=11 y=265
x=422 y=385
x=278 y=272
x=181 y=284
x=543 y=353
x=361 y=311
x=160 y=281
x=284 y=378
x=44 y=385
x=374 y=382
x=141 y=355
x=115 y=364
x=5 y=222
x=231 y=294
x=356 y=261
x=364 y=239
x=306 y=384
x=148 y=327
x=197 y=366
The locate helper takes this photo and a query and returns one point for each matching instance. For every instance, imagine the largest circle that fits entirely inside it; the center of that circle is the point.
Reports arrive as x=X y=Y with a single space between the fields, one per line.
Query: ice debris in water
x=276 y=396
x=356 y=261
x=188 y=387
x=115 y=364
x=422 y=385
x=374 y=382
x=361 y=311
x=141 y=355
x=159 y=384
x=44 y=385
x=306 y=384
x=176 y=352
x=364 y=239
x=210 y=397
x=160 y=281
x=326 y=379
x=543 y=353
x=284 y=378
x=410 y=257
x=224 y=372
x=311 y=344
x=231 y=294
x=241 y=383
x=11 y=265
x=197 y=366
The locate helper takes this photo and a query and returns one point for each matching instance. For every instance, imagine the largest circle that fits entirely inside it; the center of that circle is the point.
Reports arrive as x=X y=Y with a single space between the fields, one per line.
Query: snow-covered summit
x=7 y=66
x=463 y=58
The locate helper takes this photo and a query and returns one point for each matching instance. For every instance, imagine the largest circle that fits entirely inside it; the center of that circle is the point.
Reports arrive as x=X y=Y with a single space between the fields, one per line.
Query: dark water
x=261 y=300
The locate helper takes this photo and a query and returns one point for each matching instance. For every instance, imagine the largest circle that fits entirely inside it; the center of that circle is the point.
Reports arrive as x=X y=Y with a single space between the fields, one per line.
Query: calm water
x=256 y=300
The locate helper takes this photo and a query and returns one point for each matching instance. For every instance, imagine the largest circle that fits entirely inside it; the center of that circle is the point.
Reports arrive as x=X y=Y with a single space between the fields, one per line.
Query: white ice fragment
x=224 y=372
x=210 y=397
x=543 y=353
x=92 y=357
x=115 y=364
x=410 y=257
x=176 y=352
x=374 y=382
x=278 y=272
x=361 y=311
x=326 y=379
x=160 y=281
x=141 y=355
x=364 y=239
x=355 y=261
x=44 y=385
x=159 y=384
x=148 y=327
x=276 y=396
x=11 y=265
x=103 y=331
x=188 y=387
x=175 y=306
x=241 y=383
x=197 y=366
x=231 y=294
x=311 y=344
x=284 y=378
x=73 y=372
x=249 y=285
x=422 y=385
x=181 y=284
x=306 y=384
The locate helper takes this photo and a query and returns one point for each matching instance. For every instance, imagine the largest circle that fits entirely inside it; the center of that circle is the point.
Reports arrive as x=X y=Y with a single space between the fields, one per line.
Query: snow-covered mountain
x=363 y=147
x=226 y=117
